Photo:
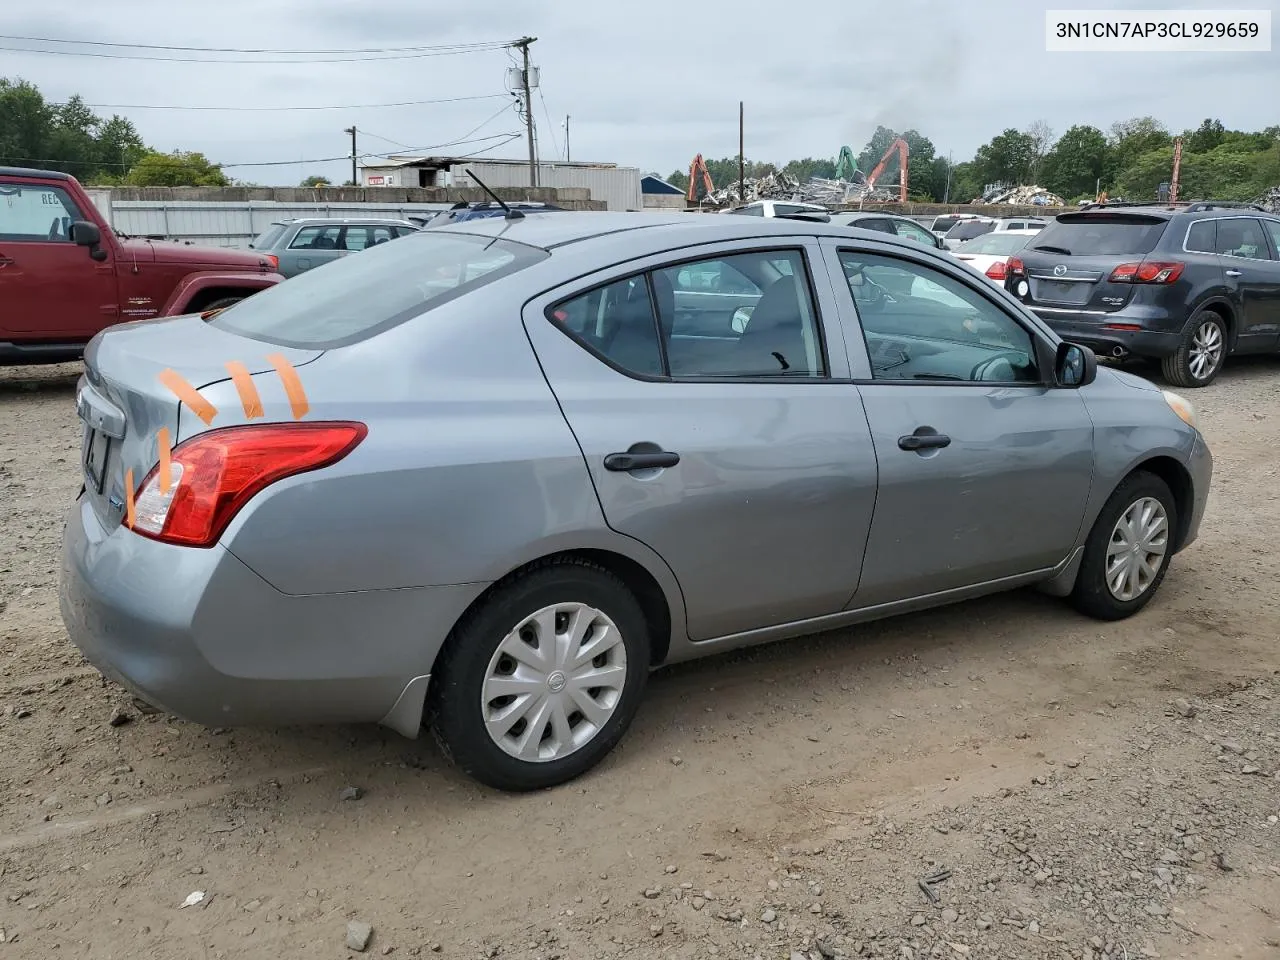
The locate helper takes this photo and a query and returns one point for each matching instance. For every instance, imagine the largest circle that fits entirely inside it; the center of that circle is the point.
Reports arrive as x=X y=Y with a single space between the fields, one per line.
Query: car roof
x=294 y=221
x=32 y=172
x=575 y=226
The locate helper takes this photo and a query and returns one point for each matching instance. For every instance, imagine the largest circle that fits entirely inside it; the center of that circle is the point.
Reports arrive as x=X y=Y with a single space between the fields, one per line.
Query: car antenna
x=511 y=214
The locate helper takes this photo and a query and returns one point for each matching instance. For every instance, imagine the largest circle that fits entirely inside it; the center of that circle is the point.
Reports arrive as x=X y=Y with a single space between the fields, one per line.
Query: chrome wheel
x=1206 y=350
x=1139 y=543
x=554 y=682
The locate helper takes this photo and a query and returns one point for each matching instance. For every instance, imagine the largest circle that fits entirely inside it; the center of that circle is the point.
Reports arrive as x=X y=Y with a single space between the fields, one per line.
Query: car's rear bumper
x=200 y=635
x=1101 y=336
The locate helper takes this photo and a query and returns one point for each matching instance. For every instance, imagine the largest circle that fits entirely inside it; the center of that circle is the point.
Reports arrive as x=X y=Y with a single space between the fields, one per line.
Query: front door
x=312 y=247
x=50 y=288
x=738 y=458
x=984 y=469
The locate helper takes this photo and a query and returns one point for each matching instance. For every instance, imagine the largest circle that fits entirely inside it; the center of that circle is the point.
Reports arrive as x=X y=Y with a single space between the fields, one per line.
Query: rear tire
x=514 y=704
x=220 y=304
x=1123 y=566
x=1201 y=354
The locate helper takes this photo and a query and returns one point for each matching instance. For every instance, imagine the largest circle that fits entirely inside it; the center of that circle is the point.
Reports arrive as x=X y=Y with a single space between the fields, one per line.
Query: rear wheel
x=1200 y=356
x=220 y=304
x=1128 y=550
x=539 y=682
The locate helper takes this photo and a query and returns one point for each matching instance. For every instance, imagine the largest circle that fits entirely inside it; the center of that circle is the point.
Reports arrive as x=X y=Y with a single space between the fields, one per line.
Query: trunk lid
x=1068 y=265
x=123 y=403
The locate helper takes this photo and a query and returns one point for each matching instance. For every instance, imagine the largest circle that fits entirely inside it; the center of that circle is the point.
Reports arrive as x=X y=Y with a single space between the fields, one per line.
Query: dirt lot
x=1095 y=790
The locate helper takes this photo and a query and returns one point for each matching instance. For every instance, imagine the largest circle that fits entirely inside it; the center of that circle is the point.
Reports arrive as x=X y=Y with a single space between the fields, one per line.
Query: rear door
x=748 y=468
x=984 y=468
x=1252 y=274
x=50 y=288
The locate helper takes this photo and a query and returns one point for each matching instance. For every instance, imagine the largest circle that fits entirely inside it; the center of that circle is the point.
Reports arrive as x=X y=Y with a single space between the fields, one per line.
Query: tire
x=476 y=652
x=220 y=304
x=1205 y=339
x=1092 y=594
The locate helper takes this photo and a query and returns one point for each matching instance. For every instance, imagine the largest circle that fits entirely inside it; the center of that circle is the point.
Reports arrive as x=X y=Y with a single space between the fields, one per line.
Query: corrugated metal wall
x=229 y=224
x=619 y=187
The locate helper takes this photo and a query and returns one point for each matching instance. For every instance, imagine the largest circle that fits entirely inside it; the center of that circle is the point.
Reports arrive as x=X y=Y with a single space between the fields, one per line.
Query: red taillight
x=1148 y=271
x=273 y=261
x=214 y=474
x=1015 y=266
x=997 y=270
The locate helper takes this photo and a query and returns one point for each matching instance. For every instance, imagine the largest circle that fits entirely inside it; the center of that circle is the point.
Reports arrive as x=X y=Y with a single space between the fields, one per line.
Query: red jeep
x=64 y=274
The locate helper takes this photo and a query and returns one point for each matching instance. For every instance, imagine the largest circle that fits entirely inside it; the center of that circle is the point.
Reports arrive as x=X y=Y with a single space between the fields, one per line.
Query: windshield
x=357 y=297
x=1094 y=235
x=267 y=238
x=968 y=229
x=995 y=244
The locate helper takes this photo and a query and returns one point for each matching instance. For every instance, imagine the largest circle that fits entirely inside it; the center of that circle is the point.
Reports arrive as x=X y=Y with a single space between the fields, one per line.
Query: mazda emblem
x=1060 y=270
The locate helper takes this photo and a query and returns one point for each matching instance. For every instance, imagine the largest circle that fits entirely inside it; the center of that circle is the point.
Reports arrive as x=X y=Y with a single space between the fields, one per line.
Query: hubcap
x=554 y=682
x=1137 y=549
x=1206 y=350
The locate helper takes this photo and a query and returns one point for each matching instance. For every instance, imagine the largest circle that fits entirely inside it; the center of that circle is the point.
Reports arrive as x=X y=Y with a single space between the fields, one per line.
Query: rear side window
x=1202 y=237
x=1095 y=235
x=750 y=211
x=354 y=298
x=268 y=237
x=943 y=224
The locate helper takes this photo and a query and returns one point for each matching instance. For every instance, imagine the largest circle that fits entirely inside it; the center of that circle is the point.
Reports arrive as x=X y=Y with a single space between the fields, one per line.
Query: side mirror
x=85 y=234
x=1075 y=366
x=741 y=317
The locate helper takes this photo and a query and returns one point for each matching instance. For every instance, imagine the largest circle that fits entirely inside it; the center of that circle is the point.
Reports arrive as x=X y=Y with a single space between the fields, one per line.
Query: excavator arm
x=696 y=169
x=899 y=146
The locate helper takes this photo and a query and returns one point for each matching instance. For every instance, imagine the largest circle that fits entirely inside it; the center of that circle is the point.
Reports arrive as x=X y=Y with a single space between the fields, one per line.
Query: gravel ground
x=1075 y=789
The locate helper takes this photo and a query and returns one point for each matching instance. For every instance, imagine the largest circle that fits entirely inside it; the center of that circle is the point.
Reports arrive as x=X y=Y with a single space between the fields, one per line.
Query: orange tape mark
x=292 y=385
x=249 y=398
x=129 y=512
x=189 y=395
x=162 y=442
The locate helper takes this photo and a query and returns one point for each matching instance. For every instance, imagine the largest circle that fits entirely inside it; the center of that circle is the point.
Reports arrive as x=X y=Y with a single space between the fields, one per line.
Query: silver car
x=486 y=478
x=306 y=243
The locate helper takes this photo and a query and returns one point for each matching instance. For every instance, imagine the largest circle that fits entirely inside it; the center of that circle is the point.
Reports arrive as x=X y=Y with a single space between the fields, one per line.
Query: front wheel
x=539 y=682
x=1128 y=550
x=1200 y=356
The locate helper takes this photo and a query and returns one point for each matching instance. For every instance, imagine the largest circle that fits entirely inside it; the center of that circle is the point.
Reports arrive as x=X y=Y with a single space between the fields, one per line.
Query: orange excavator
x=899 y=146
x=699 y=167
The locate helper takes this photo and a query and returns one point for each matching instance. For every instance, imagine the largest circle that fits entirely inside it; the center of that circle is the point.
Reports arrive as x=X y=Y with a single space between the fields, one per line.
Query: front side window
x=932 y=327
x=317 y=238
x=745 y=315
x=1273 y=228
x=1242 y=237
x=354 y=298
x=36 y=214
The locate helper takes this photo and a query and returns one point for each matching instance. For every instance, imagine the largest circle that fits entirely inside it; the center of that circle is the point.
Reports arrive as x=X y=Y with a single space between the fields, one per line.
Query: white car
x=941 y=225
x=1007 y=224
x=989 y=253
x=777 y=208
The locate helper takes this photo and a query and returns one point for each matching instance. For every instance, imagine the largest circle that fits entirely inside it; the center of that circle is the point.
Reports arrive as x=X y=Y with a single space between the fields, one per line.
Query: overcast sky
x=647 y=84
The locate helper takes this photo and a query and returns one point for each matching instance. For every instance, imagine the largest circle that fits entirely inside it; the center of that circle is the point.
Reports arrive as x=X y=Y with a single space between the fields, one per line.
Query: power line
x=359 y=59
x=487 y=45
x=394 y=143
x=551 y=127
x=345 y=106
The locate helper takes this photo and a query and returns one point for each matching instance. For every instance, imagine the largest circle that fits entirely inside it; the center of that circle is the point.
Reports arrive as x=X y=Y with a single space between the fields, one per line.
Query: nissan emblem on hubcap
x=556 y=682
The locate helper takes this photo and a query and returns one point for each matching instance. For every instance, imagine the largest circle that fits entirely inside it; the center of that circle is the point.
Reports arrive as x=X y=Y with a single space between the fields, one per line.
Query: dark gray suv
x=1188 y=284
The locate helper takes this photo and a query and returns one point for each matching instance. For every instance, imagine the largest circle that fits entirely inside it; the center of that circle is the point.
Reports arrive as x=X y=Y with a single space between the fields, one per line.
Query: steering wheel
x=1012 y=358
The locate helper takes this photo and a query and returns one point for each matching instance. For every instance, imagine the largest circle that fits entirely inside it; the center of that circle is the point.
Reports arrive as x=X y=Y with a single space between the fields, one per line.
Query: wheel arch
x=1178 y=478
x=1223 y=307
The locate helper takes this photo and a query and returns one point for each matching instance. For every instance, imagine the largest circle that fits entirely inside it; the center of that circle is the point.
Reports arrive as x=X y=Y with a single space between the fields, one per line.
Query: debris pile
x=1022 y=196
x=782 y=186
x=1270 y=201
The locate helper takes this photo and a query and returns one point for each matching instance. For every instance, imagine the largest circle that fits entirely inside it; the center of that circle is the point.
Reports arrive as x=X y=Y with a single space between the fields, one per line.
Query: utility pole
x=523 y=44
x=566 y=138
x=946 y=195
x=355 y=181
x=742 y=163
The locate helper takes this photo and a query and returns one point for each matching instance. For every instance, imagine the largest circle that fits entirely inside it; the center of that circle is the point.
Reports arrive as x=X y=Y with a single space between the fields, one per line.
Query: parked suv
x=1188 y=284
x=306 y=243
x=65 y=274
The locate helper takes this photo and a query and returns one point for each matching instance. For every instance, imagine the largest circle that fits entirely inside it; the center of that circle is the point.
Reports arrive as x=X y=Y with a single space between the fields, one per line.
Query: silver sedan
x=485 y=478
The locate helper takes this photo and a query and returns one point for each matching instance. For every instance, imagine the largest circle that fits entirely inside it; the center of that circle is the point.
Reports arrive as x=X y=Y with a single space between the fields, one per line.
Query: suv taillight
x=1148 y=271
x=997 y=271
x=1015 y=266
x=214 y=474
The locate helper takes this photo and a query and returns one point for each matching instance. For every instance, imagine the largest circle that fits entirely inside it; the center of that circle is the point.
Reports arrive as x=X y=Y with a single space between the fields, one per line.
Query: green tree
x=177 y=169
x=1129 y=140
x=921 y=178
x=966 y=182
x=315 y=180
x=678 y=178
x=26 y=124
x=119 y=147
x=810 y=167
x=1204 y=138
x=1007 y=158
x=1076 y=162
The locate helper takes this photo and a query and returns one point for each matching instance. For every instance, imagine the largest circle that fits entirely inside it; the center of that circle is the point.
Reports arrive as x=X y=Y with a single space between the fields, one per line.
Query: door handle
x=624 y=462
x=1233 y=273
x=924 y=441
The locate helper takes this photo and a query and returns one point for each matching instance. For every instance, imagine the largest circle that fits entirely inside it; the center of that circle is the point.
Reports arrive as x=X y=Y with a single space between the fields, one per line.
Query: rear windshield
x=943 y=224
x=357 y=297
x=267 y=238
x=968 y=229
x=995 y=244
x=1100 y=235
